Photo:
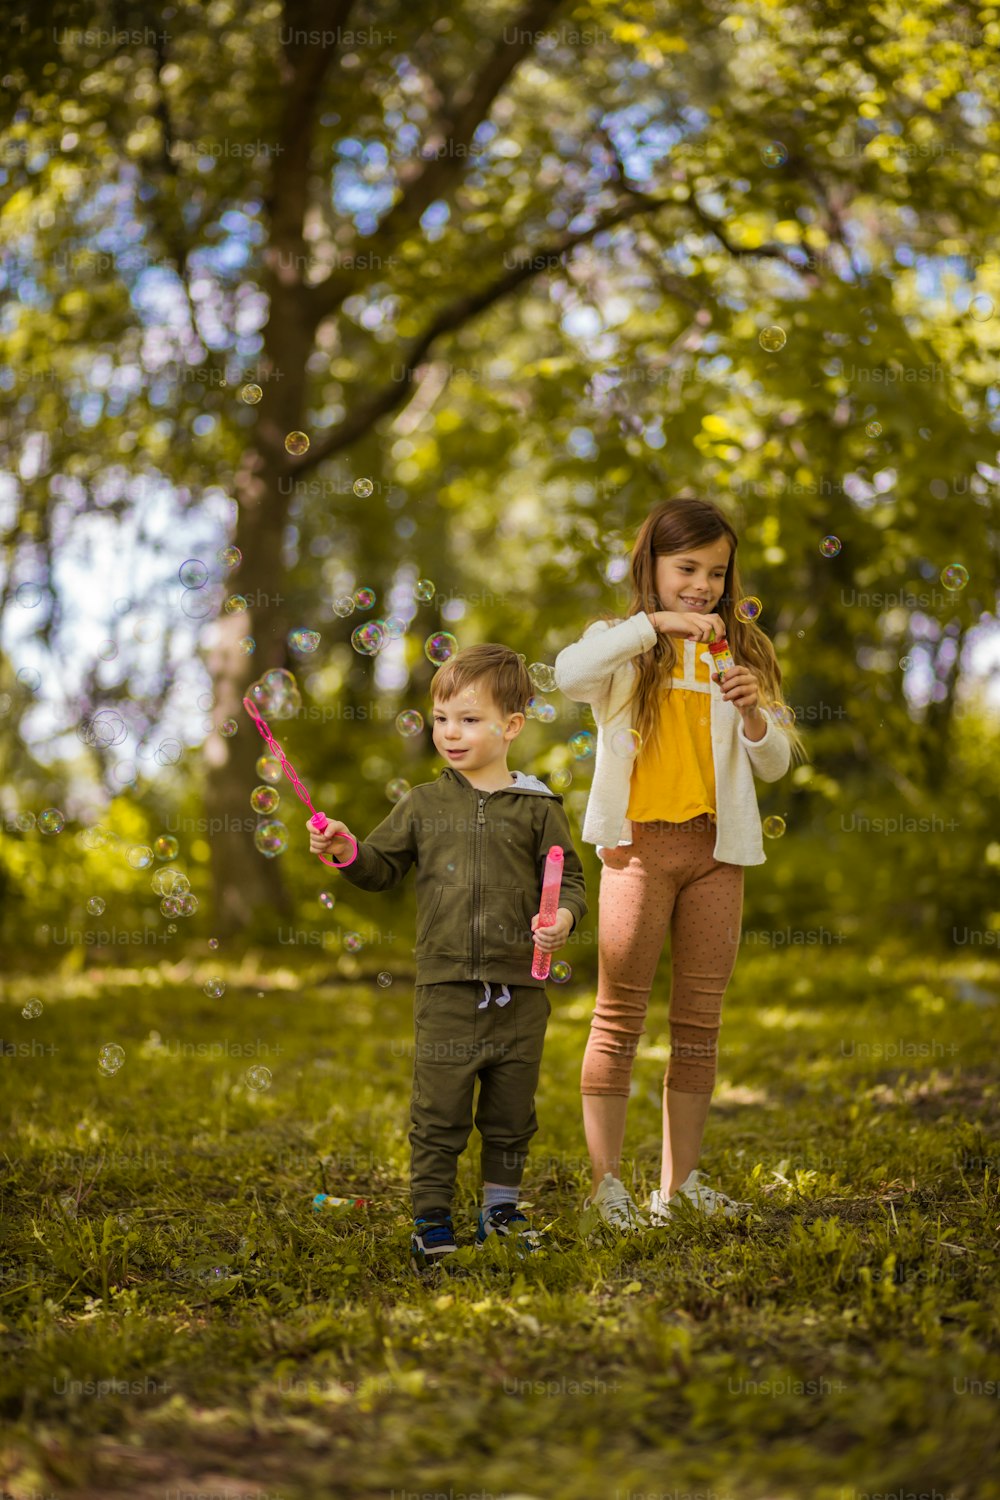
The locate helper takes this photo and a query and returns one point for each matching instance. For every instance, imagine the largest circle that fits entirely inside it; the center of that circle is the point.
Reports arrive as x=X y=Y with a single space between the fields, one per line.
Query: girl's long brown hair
x=684 y=525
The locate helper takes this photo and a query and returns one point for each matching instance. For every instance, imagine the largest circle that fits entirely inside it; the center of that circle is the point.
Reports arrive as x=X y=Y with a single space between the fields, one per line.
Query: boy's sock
x=497 y=1192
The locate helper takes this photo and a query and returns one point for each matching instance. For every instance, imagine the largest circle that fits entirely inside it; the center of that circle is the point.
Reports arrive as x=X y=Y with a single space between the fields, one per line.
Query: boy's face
x=469 y=730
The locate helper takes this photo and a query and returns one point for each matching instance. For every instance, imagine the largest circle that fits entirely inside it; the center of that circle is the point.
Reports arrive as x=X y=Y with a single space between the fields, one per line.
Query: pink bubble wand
x=318 y=820
x=549 y=908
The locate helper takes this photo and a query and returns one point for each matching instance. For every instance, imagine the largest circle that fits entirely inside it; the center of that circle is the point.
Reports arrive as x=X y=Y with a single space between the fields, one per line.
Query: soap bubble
x=423 y=590
x=626 y=743
x=782 y=713
x=542 y=676
x=409 y=722
x=25 y=822
x=187 y=904
x=384 y=979
x=560 y=780
x=96 y=905
x=32 y=1009
x=905 y=663
x=773 y=826
x=774 y=154
x=982 y=308
x=170 y=906
x=30 y=679
x=440 y=646
x=830 y=546
x=193 y=574
x=247 y=645
x=271 y=837
x=251 y=394
x=269 y=769
x=396 y=788
x=303 y=640
x=28 y=595
x=235 y=604
x=582 y=744
x=874 y=429
x=343 y=606
x=560 y=972
x=353 y=942
x=110 y=1058
x=276 y=694
x=363 y=488
x=213 y=942
x=214 y=988
x=140 y=856
x=168 y=752
x=264 y=799
x=327 y=900
x=364 y=597
x=297 y=443
x=954 y=577
x=748 y=609
x=367 y=639
x=162 y=881
x=51 y=820
x=541 y=710
x=228 y=728
x=772 y=339
x=258 y=1078
x=229 y=557
x=107 y=650
x=201 y=604
x=106 y=727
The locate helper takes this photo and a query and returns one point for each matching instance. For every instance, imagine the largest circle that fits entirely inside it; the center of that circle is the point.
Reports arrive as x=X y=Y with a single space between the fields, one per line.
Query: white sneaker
x=614 y=1206
x=699 y=1195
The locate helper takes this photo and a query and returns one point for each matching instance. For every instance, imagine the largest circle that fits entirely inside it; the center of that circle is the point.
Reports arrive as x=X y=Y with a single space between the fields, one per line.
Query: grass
x=176 y=1319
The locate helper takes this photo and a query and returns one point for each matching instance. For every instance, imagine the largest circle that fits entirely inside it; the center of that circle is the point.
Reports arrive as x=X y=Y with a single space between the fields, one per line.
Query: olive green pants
x=455 y=1042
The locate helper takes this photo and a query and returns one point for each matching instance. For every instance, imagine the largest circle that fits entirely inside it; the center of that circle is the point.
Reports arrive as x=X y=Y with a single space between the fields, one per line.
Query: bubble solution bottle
x=722 y=657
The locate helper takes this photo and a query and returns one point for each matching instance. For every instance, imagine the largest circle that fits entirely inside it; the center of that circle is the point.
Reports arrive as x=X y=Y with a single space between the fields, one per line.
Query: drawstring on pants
x=500 y=999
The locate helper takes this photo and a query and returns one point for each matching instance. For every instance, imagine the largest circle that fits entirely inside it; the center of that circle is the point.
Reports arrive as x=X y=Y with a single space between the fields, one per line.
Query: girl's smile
x=694 y=580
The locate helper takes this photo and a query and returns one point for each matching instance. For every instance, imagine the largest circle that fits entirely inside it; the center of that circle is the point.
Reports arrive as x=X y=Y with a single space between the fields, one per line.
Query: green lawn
x=176 y=1318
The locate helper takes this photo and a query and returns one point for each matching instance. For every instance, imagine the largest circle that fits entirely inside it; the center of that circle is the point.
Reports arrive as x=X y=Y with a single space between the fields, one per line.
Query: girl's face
x=694 y=580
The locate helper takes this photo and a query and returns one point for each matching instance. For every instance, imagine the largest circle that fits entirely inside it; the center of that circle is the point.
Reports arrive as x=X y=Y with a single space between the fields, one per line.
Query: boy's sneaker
x=433 y=1239
x=613 y=1205
x=696 y=1194
x=507 y=1222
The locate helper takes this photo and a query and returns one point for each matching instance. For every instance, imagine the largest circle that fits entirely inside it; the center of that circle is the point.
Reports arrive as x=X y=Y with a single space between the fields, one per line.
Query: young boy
x=478 y=837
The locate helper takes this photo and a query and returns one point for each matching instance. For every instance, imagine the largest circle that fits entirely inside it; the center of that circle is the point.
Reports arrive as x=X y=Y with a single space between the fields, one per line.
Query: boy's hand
x=548 y=939
x=331 y=842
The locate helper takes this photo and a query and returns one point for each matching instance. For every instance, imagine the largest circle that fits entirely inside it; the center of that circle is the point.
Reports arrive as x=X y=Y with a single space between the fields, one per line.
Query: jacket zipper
x=477 y=927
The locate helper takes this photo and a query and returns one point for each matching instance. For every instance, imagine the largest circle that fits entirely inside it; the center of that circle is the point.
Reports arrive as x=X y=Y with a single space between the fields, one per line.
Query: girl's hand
x=691 y=625
x=548 y=939
x=739 y=687
x=332 y=842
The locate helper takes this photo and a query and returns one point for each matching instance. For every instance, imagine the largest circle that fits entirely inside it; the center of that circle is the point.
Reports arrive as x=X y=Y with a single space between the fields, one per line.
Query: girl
x=673 y=813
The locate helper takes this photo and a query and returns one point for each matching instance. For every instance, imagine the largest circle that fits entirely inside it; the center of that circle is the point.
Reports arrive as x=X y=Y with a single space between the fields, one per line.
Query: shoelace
x=621 y=1203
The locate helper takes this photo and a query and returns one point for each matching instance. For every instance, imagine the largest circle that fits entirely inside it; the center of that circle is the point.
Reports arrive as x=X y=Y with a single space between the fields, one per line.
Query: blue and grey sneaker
x=507 y=1222
x=433 y=1239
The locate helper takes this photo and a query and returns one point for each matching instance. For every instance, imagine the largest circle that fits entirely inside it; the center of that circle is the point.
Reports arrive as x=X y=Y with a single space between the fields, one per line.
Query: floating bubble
x=363 y=488
x=25 y=822
x=303 y=640
x=423 y=590
x=364 y=597
x=773 y=826
x=343 y=606
x=271 y=837
x=582 y=744
x=539 y=709
x=180 y=885
x=353 y=942
x=96 y=905
x=163 y=879
x=145 y=630
x=140 y=856
x=560 y=780
x=106 y=728
x=542 y=676
x=187 y=904
x=384 y=979
x=982 y=308
x=297 y=443
x=440 y=646
x=32 y=1009
x=409 y=722
x=782 y=713
x=954 y=577
x=228 y=728
x=905 y=662
x=268 y=768
x=774 y=154
x=51 y=820
x=29 y=595
x=396 y=788
x=229 y=557
x=168 y=752
x=560 y=972
x=170 y=906
x=110 y=1058
x=107 y=650
x=874 y=429
x=394 y=626
x=748 y=609
x=251 y=394
x=193 y=574
x=258 y=1078
x=29 y=678
x=235 y=604
x=276 y=694
x=214 y=988
x=171 y=927
x=626 y=743
x=772 y=339
x=327 y=900
x=122 y=606
x=830 y=546
x=201 y=604
x=248 y=645
x=367 y=639
x=264 y=799
x=213 y=942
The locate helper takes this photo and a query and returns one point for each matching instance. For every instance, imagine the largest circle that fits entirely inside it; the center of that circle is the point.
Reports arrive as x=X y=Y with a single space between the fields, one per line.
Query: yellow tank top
x=674 y=779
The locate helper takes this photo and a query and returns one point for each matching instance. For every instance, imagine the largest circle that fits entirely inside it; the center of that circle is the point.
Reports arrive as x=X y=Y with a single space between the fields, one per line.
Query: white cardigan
x=598 y=669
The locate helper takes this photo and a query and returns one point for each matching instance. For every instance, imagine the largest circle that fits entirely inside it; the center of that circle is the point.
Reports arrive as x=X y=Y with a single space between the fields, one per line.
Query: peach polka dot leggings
x=666 y=878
